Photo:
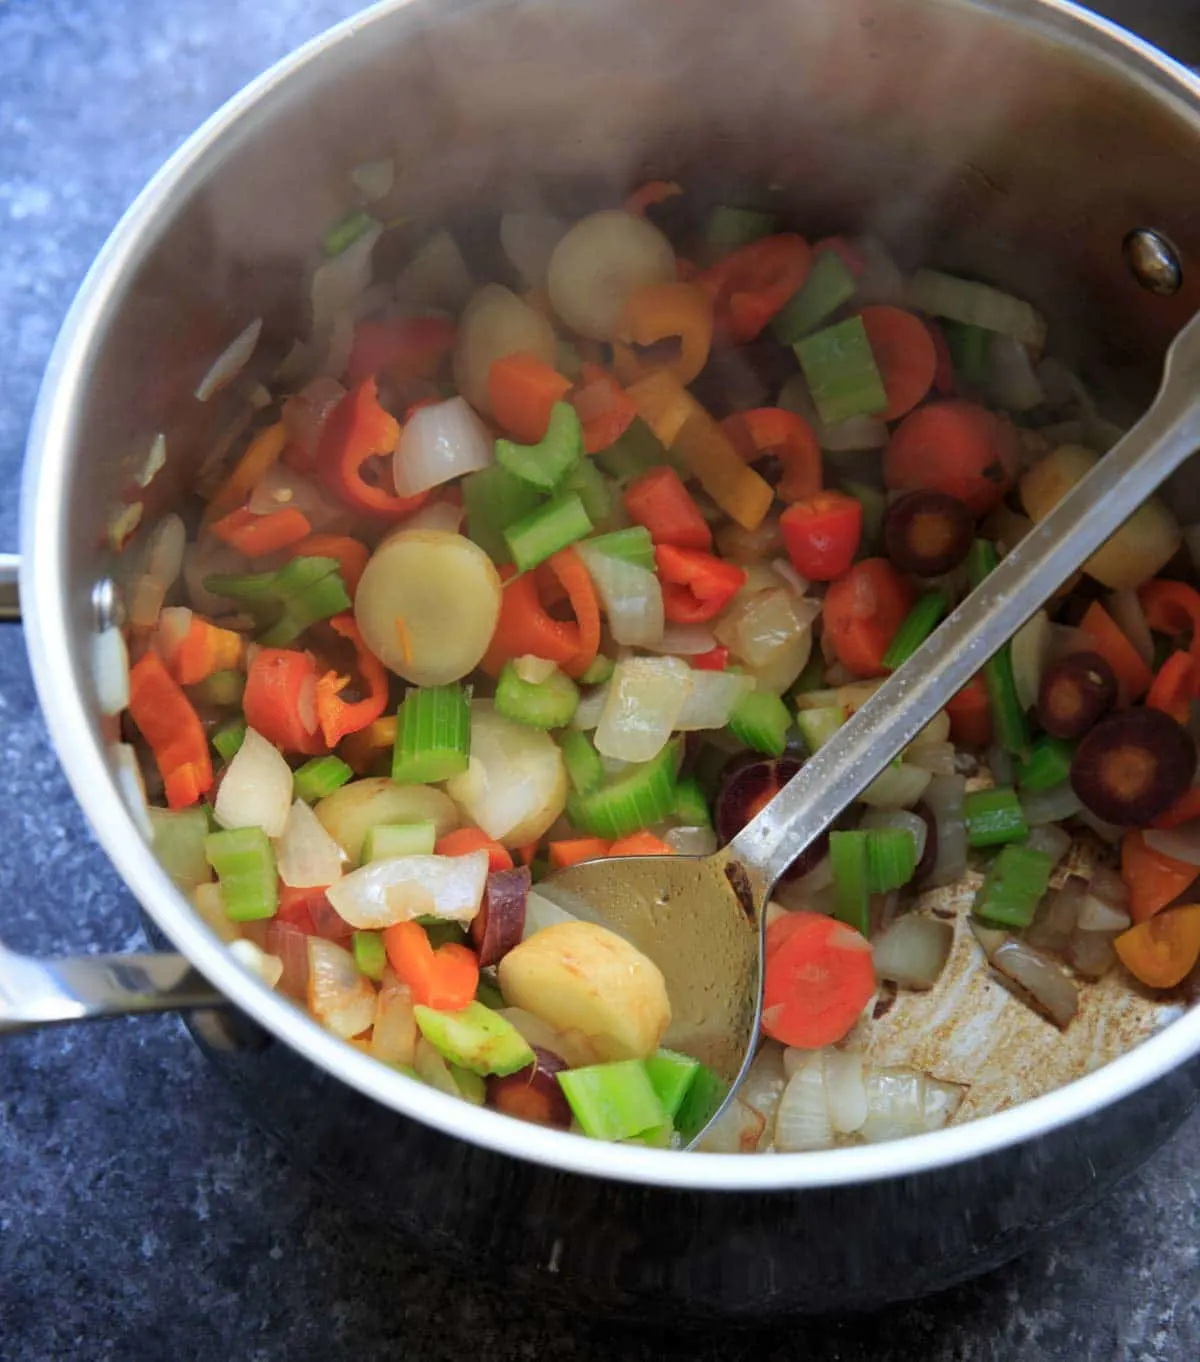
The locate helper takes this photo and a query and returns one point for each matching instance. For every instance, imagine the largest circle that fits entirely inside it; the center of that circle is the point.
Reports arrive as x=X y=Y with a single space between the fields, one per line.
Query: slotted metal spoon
x=700 y=918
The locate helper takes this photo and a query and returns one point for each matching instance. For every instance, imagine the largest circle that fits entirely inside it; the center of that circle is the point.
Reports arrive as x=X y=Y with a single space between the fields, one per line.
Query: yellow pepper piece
x=263 y=451
x=663 y=312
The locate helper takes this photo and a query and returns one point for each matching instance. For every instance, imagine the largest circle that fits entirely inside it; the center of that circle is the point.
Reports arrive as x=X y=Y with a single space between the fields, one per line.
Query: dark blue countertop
x=142 y=1215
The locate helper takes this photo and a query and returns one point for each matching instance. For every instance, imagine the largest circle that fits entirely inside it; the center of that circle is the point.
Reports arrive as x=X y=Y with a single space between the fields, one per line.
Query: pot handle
x=78 y=988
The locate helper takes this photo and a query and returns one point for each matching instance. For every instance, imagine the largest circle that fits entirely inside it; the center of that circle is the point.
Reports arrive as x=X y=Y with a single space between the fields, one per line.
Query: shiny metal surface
x=1154 y=261
x=873 y=113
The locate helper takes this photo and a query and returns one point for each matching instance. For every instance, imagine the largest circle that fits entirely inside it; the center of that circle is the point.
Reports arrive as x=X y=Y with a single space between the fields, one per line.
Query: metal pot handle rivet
x=1153 y=260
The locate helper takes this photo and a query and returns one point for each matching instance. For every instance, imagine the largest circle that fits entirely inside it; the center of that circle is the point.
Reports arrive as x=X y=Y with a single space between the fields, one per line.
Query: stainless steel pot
x=1019 y=141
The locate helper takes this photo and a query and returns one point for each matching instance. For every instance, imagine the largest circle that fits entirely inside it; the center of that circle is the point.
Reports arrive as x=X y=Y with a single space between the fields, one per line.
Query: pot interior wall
x=983 y=138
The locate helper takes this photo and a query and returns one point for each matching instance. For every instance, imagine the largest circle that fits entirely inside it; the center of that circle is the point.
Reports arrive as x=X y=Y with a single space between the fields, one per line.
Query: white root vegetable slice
x=386 y=892
x=599 y=262
x=496 y=323
x=349 y=813
x=427 y=605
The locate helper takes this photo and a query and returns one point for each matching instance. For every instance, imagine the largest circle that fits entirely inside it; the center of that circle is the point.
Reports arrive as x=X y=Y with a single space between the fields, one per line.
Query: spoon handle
x=1057 y=547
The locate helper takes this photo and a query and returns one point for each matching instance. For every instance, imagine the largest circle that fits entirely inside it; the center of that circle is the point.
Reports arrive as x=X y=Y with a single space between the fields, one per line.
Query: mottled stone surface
x=142 y=1216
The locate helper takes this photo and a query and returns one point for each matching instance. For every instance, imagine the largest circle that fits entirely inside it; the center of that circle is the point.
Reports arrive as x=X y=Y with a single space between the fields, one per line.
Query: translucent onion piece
x=529 y=240
x=269 y=968
x=938 y=758
x=436 y=277
x=1012 y=382
x=688 y=841
x=845 y=1090
x=782 y=568
x=210 y=909
x=739 y=545
x=1057 y=916
x=305 y=413
x=942 y=1101
x=1127 y=613
x=374 y=180
x=738 y=1130
x=110 y=670
x=207 y=557
x=165 y=548
x=156 y=459
x=496 y=323
x=1098 y=914
x=534 y=670
x=591 y=707
x=516 y=784
x=230 y=362
x=895 y=1104
x=1030 y=654
x=631 y=597
x=283 y=488
x=339 y=343
x=685 y=640
x=1052 y=805
x=900 y=820
x=290 y=946
x=307 y=855
x=144 y=599
x=122 y=523
x=338 y=283
x=646 y=696
x=572 y=1046
x=438 y=444
x=128 y=774
x=944 y=795
x=899 y=787
x=1107 y=832
x=256 y=791
x=1091 y=953
x=1000 y=763
x=1036 y=979
x=758 y=626
x=961 y=300
x=341 y=999
x=599 y=262
x=1051 y=839
x=1181 y=842
x=394 y=1035
x=765 y=1081
x=802 y=1121
x=382 y=893
x=711 y=699
x=913 y=951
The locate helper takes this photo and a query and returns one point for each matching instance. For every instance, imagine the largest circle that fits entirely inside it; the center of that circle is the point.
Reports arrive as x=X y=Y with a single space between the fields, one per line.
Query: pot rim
x=43 y=588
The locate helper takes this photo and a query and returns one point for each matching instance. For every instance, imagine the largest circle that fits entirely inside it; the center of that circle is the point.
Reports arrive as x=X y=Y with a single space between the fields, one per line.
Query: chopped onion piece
x=1051 y=839
x=382 y=893
x=1036 y=979
x=902 y=821
x=230 y=362
x=591 y=707
x=256 y=791
x=1127 y=613
x=1099 y=915
x=942 y=1101
x=631 y=597
x=207 y=557
x=938 y=758
x=394 y=1034
x=646 y=696
x=1000 y=763
x=123 y=522
x=337 y=285
x=282 y=487
x=782 y=568
x=845 y=1090
x=898 y=787
x=144 y=599
x=688 y=841
x=944 y=795
x=534 y=670
x=440 y=443
x=802 y=1121
x=110 y=670
x=895 y=1104
x=684 y=640
x=341 y=998
x=1092 y=953
x=572 y=1046
x=756 y=627
x=738 y=1130
x=963 y=300
x=1030 y=650
x=1050 y=806
x=765 y=1081
x=1011 y=379
x=1182 y=842
x=1057 y=916
x=859 y=432
x=374 y=179
x=913 y=951
x=290 y=945
x=529 y=240
x=269 y=968
x=436 y=277
x=306 y=855
x=156 y=460
x=711 y=699
x=1107 y=832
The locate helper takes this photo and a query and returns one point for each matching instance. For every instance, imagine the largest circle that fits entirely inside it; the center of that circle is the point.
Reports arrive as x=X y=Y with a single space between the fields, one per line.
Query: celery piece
x=613 y=1101
x=599 y=670
x=1048 y=764
x=841 y=372
x=433 y=735
x=827 y=287
x=632 y=545
x=471 y=1087
x=874 y=507
x=761 y=720
x=1008 y=717
x=916 y=627
x=475 y=1038
x=593 y=489
x=288 y=600
x=488 y=994
x=222 y=689
x=1013 y=886
x=433 y=1070
x=542 y=704
x=585 y=770
x=729 y=228
x=970 y=347
x=386 y=841
x=818 y=725
x=671 y=1075
x=494 y=500
x=851 y=887
x=705 y=1094
x=546 y=464
x=320 y=601
x=994 y=816
x=345 y=233
x=642 y=795
x=443 y=933
x=536 y=537
x=179 y=845
x=228 y=739
x=369 y=954
x=245 y=866
x=891 y=859
x=320 y=777
x=633 y=453
x=691 y=807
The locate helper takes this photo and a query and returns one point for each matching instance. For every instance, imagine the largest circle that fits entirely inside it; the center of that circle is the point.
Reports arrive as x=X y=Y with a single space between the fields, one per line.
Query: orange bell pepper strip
x=1152 y=878
x=337 y=718
x=357 y=431
x=262 y=452
x=677 y=316
x=1185 y=808
x=464 y=841
x=660 y=502
x=604 y=409
x=404 y=349
x=204 y=649
x=574 y=850
x=167 y=720
x=640 y=844
x=1173 y=608
x=772 y=430
x=1175 y=687
x=970 y=715
x=1133 y=676
x=352 y=556
x=280 y=700
x=528 y=853
x=652 y=192
x=523 y=390
x=752 y=284
x=1163 y=951
x=255 y=536
x=695 y=586
x=361 y=750
x=525 y=627
x=445 y=979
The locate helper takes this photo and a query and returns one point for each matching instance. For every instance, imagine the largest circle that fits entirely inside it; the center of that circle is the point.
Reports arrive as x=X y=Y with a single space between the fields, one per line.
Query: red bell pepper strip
x=604 y=408
x=752 y=284
x=359 y=429
x=1175 y=687
x=822 y=534
x=406 y=349
x=1173 y=608
x=695 y=586
x=280 y=696
x=525 y=627
x=337 y=718
x=659 y=501
x=772 y=430
x=255 y=536
x=715 y=660
x=166 y=719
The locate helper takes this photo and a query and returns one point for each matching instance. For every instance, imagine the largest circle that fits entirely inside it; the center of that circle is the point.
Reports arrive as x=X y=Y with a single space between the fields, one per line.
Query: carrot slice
x=772 y=430
x=1153 y=879
x=281 y=697
x=445 y=979
x=862 y=612
x=572 y=850
x=257 y=535
x=905 y=356
x=956 y=447
x=640 y=844
x=463 y=841
x=660 y=502
x=971 y=715
x=523 y=390
x=1133 y=676
x=1175 y=686
x=604 y=408
x=168 y=721
x=819 y=977
x=1163 y=950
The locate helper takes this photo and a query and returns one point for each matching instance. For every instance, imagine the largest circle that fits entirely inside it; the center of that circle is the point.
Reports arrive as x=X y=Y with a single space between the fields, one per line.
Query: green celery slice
x=691 y=807
x=613 y=1101
x=542 y=704
x=642 y=795
x=818 y=725
x=433 y=735
x=342 y=235
x=671 y=1075
x=228 y=739
x=222 y=689
x=369 y=954
x=828 y=285
x=729 y=228
x=546 y=464
x=994 y=816
x=538 y=536
x=841 y=372
x=593 y=489
x=704 y=1095
x=1008 y=718
x=851 y=886
x=320 y=777
x=1013 y=886
x=632 y=545
x=916 y=627
x=475 y=1038
x=1049 y=764
x=179 y=845
x=599 y=671
x=386 y=841
x=245 y=866
x=633 y=453
x=891 y=859
x=493 y=500
x=585 y=770
x=761 y=720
